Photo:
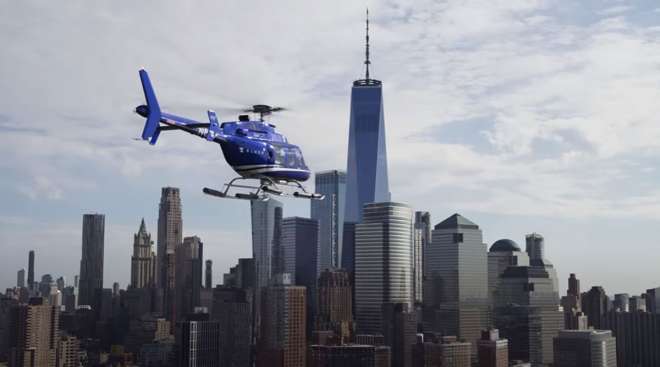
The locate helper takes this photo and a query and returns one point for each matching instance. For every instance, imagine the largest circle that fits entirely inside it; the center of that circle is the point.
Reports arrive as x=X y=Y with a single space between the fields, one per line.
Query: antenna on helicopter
x=263 y=110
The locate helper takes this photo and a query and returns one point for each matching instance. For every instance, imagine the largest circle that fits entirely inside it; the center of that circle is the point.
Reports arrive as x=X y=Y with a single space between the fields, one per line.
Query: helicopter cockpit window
x=280 y=155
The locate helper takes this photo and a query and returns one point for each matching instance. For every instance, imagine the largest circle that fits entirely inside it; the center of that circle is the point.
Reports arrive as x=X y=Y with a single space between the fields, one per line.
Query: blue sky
x=523 y=115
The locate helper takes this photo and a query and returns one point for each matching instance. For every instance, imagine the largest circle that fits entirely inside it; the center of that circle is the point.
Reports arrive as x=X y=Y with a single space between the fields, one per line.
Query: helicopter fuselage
x=254 y=149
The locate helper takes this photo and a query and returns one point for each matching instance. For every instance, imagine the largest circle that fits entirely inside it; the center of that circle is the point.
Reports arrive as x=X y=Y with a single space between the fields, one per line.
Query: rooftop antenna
x=366 y=61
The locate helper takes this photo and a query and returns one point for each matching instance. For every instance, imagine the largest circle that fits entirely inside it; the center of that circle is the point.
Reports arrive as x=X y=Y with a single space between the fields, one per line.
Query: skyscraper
x=574 y=319
x=170 y=235
x=232 y=308
x=535 y=248
x=595 y=304
x=653 y=300
x=20 y=278
x=527 y=313
x=189 y=256
x=422 y=239
x=30 y=276
x=91 y=263
x=33 y=334
x=266 y=227
x=208 y=274
x=329 y=212
x=400 y=331
x=143 y=261
x=621 y=302
x=282 y=338
x=637 y=337
x=502 y=254
x=335 y=303
x=589 y=348
x=300 y=244
x=457 y=301
x=366 y=177
x=383 y=262
x=198 y=341
x=266 y=216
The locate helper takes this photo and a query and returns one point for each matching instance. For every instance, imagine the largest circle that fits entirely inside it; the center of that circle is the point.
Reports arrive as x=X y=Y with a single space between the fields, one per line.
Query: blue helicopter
x=252 y=148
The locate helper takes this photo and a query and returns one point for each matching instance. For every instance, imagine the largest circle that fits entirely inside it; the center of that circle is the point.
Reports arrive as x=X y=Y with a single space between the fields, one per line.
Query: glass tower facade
x=366 y=176
x=329 y=212
x=457 y=299
x=367 y=155
x=91 y=263
x=383 y=262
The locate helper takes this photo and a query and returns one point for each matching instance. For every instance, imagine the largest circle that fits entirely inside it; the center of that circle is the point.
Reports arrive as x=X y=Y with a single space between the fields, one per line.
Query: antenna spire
x=366 y=60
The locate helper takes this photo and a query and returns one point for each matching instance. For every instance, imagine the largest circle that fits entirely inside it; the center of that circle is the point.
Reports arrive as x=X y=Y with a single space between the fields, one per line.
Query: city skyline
x=576 y=212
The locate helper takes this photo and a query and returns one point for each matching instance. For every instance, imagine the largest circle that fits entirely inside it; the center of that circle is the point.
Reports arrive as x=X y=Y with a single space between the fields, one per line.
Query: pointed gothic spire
x=143 y=227
x=366 y=59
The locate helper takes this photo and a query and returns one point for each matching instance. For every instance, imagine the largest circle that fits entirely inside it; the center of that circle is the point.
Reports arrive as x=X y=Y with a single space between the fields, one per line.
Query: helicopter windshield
x=289 y=156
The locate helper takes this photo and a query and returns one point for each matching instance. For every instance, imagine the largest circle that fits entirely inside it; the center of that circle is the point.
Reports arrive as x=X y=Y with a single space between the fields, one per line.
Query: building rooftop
x=456 y=221
x=504 y=245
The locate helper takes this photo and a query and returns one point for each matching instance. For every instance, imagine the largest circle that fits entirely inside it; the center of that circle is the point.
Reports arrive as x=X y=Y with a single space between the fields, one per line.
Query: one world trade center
x=366 y=176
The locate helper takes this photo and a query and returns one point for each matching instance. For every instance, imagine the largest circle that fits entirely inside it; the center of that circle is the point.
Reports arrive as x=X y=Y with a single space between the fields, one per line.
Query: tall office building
x=335 y=304
x=282 y=339
x=91 y=263
x=652 y=297
x=383 y=262
x=170 y=235
x=266 y=216
x=329 y=212
x=400 y=331
x=572 y=300
x=300 y=246
x=595 y=304
x=457 y=299
x=68 y=351
x=232 y=308
x=33 y=334
x=535 y=248
x=527 y=313
x=502 y=254
x=30 y=276
x=492 y=351
x=242 y=275
x=366 y=176
x=636 y=303
x=621 y=302
x=170 y=231
x=208 y=274
x=421 y=240
x=143 y=261
x=20 y=278
x=588 y=348
x=189 y=256
x=198 y=341
x=637 y=337
x=348 y=248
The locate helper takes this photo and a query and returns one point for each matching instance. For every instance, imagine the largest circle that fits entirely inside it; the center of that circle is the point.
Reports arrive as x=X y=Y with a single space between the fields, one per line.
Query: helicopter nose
x=142 y=110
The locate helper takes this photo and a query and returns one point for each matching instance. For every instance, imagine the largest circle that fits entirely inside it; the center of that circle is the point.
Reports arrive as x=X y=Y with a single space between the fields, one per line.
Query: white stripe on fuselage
x=264 y=168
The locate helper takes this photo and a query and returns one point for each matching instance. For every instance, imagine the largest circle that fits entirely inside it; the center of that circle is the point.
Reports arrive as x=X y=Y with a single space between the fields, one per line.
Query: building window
x=458 y=237
x=528 y=287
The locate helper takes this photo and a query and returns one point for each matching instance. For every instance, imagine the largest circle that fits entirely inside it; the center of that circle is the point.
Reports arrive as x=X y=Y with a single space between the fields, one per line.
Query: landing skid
x=267 y=187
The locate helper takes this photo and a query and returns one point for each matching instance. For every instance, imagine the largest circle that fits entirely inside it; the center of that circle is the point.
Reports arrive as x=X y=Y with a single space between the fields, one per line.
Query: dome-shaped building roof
x=504 y=245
